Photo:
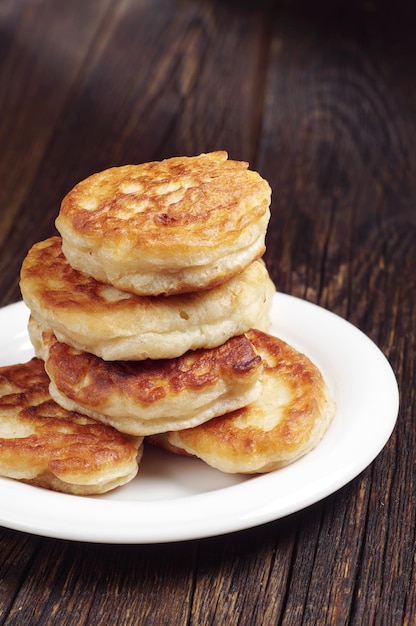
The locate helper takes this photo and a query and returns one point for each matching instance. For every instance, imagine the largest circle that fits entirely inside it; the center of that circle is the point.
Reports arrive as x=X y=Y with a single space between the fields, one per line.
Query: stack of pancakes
x=151 y=314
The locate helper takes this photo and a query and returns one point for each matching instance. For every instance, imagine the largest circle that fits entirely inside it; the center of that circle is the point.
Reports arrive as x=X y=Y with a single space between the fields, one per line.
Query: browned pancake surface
x=287 y=421
x=145 y=397
x=171 y=226
x=184 y=202
x=43 y=444
x=114 y=325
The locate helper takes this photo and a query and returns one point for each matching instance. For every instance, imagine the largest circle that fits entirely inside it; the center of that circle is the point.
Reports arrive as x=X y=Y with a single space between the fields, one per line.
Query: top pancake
x=172 y=226
x=45 y=445
x=287 y=421
x=115 y=325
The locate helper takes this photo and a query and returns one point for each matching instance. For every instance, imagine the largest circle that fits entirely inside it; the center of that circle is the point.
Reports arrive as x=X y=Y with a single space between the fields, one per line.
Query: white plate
x=175 y=498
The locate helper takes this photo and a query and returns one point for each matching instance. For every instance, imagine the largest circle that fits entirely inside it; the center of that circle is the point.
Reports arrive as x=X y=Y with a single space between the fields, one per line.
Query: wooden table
x=320 y=98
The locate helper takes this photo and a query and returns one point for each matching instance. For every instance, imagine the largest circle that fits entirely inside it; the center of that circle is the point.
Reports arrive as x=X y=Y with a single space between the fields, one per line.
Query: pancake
x=173 y=226
x=43 y=444
x=114 y=325
x=152 y=396
x=289 y=419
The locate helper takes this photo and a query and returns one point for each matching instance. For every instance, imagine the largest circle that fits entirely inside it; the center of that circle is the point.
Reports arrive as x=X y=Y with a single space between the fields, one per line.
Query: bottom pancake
x=44 y=445
x=151 y=396
x=288 y=420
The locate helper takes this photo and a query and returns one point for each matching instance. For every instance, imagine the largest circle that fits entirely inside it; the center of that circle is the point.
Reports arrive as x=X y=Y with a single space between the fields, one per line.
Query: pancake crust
x=147 y=397
x=173 y=226
x=45 y=445
x=114 y=325
x=288 y=420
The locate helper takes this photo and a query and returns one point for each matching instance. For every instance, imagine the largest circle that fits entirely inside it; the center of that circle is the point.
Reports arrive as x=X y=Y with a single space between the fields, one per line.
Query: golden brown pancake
x=152 y=396
x=45 y=445
x=172 y=226
x=288 y=420
x=97 y=318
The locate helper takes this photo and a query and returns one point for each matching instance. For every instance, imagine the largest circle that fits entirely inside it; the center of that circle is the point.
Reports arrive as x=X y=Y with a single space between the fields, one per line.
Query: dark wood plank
x=18 y=552
x=79 y=583
x=38 y=68
x=337 y=144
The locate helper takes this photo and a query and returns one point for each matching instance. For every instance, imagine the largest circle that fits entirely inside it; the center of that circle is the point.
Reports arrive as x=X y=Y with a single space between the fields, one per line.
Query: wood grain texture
x=320 y=98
